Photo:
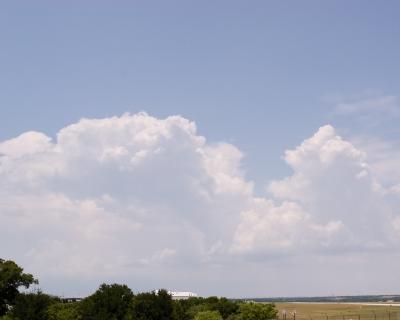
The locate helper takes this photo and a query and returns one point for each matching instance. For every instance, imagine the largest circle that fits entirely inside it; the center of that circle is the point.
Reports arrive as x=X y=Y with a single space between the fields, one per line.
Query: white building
x=182 y=295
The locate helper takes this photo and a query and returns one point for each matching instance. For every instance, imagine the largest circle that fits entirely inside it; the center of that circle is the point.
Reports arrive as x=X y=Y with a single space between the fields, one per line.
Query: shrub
x=32 y=306
x=64 y=311
x=208 y=315
x=257 y=311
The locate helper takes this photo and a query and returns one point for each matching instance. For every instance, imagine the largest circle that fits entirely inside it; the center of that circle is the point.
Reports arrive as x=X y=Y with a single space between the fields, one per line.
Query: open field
x=338 y=311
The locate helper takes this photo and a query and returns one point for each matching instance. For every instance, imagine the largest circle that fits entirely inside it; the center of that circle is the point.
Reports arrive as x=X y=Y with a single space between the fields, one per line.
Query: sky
x=236 y=148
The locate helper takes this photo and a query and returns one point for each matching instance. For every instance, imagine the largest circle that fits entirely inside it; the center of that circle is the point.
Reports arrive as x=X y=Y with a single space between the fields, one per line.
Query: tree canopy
x=208 y=315
x=64 y=311
x=32 y=306
x=12 y=278
x=153 y=306
x=257 y=311
x=109 y=302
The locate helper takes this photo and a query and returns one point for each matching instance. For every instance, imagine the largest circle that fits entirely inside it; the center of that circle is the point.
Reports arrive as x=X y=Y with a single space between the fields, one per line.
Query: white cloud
x=377 y=104
x=331 y=202
x=28 y=143
x=134 y=196
x=159 y=257
x=382 y=156
x=268 y=228
x=118 y=190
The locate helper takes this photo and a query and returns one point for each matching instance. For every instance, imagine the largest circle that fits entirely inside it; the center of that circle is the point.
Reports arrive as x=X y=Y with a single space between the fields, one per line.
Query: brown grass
x=337 y=311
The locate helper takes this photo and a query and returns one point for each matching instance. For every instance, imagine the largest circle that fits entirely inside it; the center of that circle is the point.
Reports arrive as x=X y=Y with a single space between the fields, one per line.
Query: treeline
x=115 y=302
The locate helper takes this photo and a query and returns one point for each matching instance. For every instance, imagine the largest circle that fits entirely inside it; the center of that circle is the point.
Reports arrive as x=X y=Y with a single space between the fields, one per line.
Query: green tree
x=192 y=306
x=186 y=309
x=12 y=278
x=257 y=311
x=224 y=306
x=208 y=315
x=32 y=306
x=109 y=302
x=64 y=311
x=153 y=306
x=179 y=312
x=198 y=308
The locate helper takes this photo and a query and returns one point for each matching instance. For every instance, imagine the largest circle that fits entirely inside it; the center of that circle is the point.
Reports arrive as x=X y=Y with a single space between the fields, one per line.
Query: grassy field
x=337 y=311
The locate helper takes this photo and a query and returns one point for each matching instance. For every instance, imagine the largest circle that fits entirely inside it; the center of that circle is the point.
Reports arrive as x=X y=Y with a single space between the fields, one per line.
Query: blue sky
x=244 y=71
x=260 y=75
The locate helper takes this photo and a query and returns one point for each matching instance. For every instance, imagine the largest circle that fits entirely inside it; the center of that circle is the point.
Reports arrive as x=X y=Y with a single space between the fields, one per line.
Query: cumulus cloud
x=333 y=182
x=331 y=202
x=120 y=190
x=382 y=156
x=122 y=195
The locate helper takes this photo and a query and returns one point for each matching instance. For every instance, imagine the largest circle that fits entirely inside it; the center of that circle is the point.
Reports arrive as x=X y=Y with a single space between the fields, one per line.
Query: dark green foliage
x=32 y=306
x=225 y=307
x=153 y=306
x=257 y=311
x=178 y=311
x=64 y=311
x=193 y=310
x=109 y=302
x=208 y=315
x=189 y=308
x=186 y=309
x=11 y=278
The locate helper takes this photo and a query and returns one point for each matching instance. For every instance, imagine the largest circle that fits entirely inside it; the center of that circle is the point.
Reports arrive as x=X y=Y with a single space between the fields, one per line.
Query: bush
x=64 y=311
x=189 y=308
x=32 y=306
x=208 y=315
x=257 y=311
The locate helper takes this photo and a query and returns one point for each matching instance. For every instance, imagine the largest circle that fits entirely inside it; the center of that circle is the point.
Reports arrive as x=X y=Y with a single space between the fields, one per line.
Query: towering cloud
x=127 y=195
x=331 y=202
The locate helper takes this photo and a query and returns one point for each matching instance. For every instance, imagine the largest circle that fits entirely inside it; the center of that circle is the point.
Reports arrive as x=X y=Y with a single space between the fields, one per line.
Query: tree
x=198 y=308
x=153 y=306
x=11 y=279
x=224 y=306
x=64 y=311
x=208 y=315
x=32 y=306
x=179 y=312
x=257 y=311
x=187 y=309
x=109 y=302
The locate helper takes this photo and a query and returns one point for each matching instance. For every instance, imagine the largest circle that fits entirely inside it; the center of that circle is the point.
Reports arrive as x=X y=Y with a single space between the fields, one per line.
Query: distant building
x=70 y=300
x=182 y=295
